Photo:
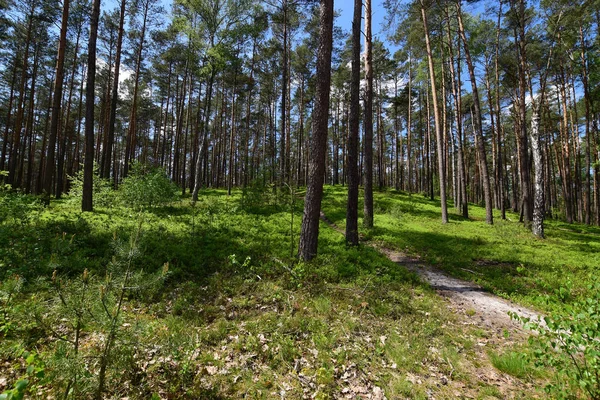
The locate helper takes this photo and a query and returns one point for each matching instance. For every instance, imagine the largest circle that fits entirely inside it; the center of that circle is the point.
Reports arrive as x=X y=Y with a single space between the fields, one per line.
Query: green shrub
x=147 y=187
x=102 y=190
x=569 y=343
x=16 y=206
x=88 y=305
x=9 y=289
x=257 y=194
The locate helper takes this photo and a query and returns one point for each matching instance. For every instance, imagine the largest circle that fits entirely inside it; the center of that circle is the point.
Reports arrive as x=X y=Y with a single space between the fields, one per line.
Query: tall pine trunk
x=88 y=168
x=436 y=119
x=109 y=138
x=368 y=121
x=309 y=234
x=56 y=103
x=352 y=164
x=480 y=141
x=131 y=143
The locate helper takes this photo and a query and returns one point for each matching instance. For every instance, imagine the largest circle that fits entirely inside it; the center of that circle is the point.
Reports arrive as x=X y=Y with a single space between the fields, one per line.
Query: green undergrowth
x=504 y=258
x=207 y=300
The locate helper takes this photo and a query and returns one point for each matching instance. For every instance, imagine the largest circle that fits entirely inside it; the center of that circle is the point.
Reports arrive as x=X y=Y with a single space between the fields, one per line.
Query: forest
x=215 y=199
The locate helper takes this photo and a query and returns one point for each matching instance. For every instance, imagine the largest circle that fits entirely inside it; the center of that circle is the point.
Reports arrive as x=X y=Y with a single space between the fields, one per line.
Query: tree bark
x=202 y=143
x=56 y=103
x=307 y=248
x=368 y=121
x=11 y=98
x=88 y=168
x=456 y=94
x=352 y=146
x=480 y=142
x=522 y=132
x=436 y=119
x=16 y=139
x=132 y=129
x=537 y=226
x=110 y=136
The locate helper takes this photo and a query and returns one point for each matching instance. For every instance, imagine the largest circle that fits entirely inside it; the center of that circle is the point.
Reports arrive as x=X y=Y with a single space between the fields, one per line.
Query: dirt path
x=492 y=311
x=484 y=309
x=486 y=318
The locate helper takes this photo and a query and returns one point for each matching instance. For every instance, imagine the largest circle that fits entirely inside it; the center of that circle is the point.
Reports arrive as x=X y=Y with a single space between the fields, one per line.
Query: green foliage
x=19 y=215
x=34 y=375
x=9 y=289
x=568 y=343
x=236 y=325
x=504 y=258
x=16 y=393
x=257 y=195
x=102 y=190
x=147 y=187
x=513 y=363
x=92 y=304
x=18 y=208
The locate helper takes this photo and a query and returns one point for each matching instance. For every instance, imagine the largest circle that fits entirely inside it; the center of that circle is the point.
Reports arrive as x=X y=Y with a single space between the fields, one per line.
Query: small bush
x=147 y=187
x=568 y=343
x=257 y=194
x=103 y=193
x=15 y=206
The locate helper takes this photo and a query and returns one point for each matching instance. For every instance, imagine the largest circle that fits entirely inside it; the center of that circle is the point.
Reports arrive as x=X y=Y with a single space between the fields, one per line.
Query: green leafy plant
x=8 y=290
x=34 y=374
x=16 y=207
x=147 y=187
x=257 y=194
x=17 y=392
x=93 y=304
x=568 y=343
x=104 y=195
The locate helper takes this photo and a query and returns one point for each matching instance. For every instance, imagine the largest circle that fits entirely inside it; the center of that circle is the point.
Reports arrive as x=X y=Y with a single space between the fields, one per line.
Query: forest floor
x=465 y=297
x=215 y=304
x=474 y=307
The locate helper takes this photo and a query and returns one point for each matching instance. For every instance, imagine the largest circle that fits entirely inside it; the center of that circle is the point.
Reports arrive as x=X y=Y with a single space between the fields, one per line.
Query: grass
x=514 y=363
x=236 y=314
x=504 y=258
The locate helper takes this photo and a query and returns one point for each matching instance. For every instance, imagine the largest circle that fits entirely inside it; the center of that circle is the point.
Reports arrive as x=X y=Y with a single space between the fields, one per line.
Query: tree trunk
x=88 y=168
x=499 y=163
x=202 y=143
x=284 y=83
x=5 y=140
x=436 y=119
x=522 y=132
x=29 y=126
x=537 y=226
x=409 y=128
x=352 y=163
x=110 y=136
x=567 y=194
x=456 y=94
x=16 y=139
x=56 y=103
x=368 y=121
x=132 y=131
x=480 y=142
x=63 y=154
x=307 y=248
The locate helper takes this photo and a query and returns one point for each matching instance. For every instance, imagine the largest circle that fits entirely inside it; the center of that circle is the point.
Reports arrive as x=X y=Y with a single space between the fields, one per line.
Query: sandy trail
x=491 y=310
x=487 y=310
x=474 y=308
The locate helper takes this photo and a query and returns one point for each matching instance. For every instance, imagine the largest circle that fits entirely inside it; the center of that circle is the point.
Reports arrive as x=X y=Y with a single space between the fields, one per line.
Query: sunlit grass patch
x=237 y=314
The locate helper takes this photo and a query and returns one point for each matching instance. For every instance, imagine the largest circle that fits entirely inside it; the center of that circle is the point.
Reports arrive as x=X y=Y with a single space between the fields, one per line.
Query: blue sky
x=346 y=9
